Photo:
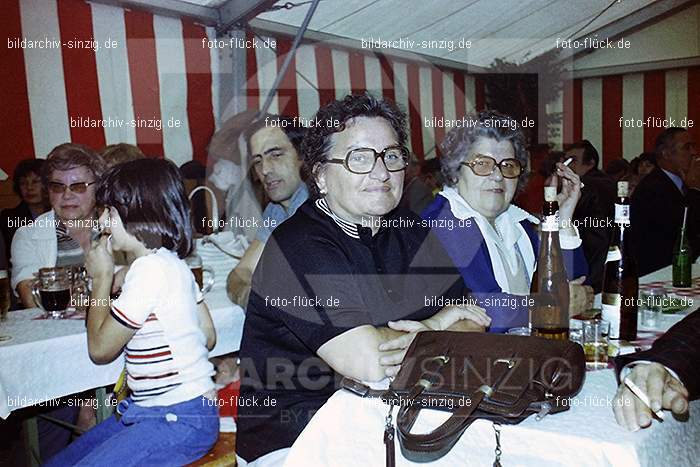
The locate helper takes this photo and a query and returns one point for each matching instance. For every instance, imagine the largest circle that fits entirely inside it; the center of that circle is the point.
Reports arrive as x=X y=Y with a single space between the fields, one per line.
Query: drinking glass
x=594 y=334
x=52 y=291
x=194 y=262
x=80 y=288
x=652 y=299
x=576 y=331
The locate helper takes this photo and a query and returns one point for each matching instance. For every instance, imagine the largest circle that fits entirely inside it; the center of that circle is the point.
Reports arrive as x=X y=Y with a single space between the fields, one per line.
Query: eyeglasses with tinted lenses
x=59 y=188
x=363 y=160
x=484 y=166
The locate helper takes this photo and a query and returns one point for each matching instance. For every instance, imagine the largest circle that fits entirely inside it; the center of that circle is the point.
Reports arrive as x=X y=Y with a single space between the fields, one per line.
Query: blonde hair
x=115 y=154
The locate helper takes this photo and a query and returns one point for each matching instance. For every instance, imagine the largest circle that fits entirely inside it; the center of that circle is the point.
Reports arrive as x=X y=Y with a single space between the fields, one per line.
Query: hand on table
x=664 y=391
x=392 y=361
x=450 y=314
x=580 y=296
x=440 y=321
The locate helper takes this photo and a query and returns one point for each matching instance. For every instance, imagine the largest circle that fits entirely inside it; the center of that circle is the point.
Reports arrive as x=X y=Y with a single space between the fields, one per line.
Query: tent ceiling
x=515 y=30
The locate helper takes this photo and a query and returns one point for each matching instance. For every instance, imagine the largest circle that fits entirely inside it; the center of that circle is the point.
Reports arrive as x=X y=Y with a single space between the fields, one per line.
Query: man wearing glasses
x=62 y=236
x=339 y=289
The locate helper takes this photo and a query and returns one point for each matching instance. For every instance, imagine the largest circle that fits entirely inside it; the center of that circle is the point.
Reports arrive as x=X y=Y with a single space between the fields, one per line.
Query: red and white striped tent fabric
x=319 y=74
x=159 y=70
x=593 y=108
x=156 y=70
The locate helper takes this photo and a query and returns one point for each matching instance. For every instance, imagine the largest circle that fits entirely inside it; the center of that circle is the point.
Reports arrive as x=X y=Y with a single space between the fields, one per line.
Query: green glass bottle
x=682 y=256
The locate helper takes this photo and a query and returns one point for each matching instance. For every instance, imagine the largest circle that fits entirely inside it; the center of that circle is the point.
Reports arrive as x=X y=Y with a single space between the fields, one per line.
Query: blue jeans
x=165 y=435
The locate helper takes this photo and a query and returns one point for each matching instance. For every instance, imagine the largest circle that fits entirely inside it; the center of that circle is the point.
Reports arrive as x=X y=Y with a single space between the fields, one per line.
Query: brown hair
x=69 y=156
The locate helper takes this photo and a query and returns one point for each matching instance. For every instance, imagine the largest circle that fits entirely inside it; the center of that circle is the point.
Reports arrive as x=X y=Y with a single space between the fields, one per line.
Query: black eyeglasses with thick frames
x=363 y=160
x=483 y=166
x=60 y=188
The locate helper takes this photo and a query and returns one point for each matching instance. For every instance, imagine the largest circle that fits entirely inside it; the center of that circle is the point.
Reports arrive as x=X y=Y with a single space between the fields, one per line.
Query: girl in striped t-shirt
x=159 y=320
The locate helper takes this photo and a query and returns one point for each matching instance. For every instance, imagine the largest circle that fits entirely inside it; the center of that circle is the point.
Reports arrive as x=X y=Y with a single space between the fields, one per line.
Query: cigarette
x=567 y=162
x=636 y=390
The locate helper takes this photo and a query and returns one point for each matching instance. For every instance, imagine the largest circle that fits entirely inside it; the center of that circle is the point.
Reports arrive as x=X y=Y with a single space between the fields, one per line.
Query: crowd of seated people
x=333 y=284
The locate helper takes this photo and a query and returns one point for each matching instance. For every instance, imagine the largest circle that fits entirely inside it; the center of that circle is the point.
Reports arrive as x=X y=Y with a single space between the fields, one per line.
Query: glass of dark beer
x=52 y=291
x=194 y=262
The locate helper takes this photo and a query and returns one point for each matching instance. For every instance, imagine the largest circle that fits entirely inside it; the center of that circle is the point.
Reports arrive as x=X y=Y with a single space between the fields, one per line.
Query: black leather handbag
x=502 y=378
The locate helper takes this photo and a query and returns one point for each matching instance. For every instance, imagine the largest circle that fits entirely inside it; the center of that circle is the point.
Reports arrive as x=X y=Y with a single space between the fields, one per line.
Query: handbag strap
x=214 y=205
x=433 y=445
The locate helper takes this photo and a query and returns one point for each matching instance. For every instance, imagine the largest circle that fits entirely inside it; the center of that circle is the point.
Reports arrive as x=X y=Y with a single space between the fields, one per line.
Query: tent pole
x=288 y=59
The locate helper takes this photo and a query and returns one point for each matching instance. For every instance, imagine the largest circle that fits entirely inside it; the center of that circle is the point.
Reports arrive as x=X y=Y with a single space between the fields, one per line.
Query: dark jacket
x=593 y=216
x=656 y=215
x=678 y=349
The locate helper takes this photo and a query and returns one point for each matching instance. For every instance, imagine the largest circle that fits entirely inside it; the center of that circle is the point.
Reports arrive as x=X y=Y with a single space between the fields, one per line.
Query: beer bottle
x=549 y=291
x=682 y=256
x=620 y=281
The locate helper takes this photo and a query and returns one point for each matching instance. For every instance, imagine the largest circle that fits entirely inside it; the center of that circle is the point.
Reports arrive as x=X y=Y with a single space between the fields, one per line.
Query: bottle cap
x=622 y=189
x=550 y=193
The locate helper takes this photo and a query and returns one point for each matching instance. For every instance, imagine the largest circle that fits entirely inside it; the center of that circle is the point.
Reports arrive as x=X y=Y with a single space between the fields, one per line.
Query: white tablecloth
x=47 y=359
x=348 y=431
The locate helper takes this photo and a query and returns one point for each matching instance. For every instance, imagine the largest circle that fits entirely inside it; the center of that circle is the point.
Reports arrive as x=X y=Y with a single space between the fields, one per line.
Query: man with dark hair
x=274 y=145
x=594 y=209
x=656 y=210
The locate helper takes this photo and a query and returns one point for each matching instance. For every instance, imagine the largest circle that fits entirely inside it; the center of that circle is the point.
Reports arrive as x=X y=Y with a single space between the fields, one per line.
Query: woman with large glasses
x=59 y=237
x=494 y=243
x=344 y=284
x=62 y=236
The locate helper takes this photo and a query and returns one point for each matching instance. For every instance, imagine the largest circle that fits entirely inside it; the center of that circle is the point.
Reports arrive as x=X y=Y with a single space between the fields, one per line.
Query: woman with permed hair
x=341 y=287
x=494 y=243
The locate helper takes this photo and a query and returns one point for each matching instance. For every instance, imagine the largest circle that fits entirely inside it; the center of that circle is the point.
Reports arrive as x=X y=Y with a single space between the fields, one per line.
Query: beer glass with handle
x=51 y=291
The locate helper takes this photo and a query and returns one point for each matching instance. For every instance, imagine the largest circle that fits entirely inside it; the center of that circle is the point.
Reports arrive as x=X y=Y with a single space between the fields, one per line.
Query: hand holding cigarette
x=647 y=389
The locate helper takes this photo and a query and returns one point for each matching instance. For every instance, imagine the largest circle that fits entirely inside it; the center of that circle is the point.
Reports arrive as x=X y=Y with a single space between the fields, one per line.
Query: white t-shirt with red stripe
x=167 y=361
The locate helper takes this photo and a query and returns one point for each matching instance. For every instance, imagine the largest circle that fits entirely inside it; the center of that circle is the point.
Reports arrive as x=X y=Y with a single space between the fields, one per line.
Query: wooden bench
x=223 y=454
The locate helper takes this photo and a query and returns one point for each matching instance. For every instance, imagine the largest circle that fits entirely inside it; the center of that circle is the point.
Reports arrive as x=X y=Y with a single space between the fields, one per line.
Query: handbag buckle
x=509 y=361
x=443 y=359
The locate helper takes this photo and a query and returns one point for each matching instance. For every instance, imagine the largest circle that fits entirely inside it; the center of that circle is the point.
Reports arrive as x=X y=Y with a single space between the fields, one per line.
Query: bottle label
x=622 y=214
x=551 y=223
x=611 y=314
x=614 y=254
